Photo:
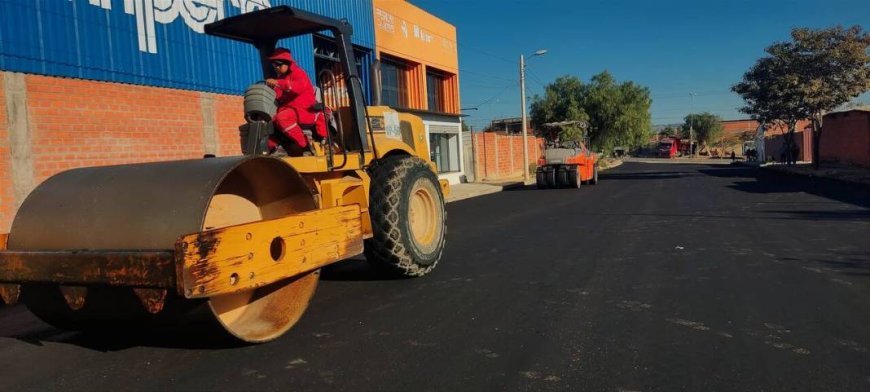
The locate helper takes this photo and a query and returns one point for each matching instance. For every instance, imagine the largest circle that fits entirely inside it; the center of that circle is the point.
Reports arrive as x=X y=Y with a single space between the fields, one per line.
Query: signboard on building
x=411 y=33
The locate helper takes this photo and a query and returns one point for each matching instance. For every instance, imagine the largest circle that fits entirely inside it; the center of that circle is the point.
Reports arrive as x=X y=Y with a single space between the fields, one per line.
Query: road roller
x=237 y=242
x=566 y=163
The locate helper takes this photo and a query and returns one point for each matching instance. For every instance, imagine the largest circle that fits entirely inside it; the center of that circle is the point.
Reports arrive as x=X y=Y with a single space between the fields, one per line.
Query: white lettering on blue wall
x=195 y=13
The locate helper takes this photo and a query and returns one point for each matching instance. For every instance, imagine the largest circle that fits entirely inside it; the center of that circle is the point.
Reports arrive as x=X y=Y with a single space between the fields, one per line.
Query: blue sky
x=672 y=47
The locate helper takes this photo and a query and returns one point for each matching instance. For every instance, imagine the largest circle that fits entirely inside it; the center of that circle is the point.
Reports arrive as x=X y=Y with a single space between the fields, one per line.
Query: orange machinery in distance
x=566 y=165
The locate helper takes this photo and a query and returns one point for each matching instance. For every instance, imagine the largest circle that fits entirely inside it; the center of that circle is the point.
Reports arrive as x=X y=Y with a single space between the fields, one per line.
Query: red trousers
x=288 y=122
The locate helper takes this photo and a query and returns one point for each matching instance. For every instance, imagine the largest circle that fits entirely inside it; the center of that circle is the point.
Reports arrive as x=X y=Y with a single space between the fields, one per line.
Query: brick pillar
x=209 y=128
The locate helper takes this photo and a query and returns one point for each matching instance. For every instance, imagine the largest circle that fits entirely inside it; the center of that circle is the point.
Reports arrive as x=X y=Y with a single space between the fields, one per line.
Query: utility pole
x=523 y=100
x=525 y=120
x=692 y=126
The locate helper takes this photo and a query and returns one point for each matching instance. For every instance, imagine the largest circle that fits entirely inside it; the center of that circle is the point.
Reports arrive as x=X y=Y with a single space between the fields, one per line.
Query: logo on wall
x=195 y=13
x=387 y=22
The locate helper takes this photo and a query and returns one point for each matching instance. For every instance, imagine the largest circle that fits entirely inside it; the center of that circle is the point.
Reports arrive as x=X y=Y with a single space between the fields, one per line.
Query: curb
x=493 y=188
x=513 y=185
x=616 y=164
x=471 y=196
x=785 y=171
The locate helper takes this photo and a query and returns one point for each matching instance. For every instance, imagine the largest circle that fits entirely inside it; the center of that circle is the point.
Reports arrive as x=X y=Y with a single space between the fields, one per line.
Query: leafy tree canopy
x=815 y=72
x=615 y=113
x=561 y=102
x=707 y=127
x=669 y=131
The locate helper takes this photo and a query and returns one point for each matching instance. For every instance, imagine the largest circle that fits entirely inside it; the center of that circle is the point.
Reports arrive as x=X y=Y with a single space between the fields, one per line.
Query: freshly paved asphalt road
x=662 y=277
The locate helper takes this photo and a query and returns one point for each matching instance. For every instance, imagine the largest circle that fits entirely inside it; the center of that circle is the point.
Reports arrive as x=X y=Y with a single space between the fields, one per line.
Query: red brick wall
x=774 y=142
x=732 y=130
x=500 y=156
x=7 y=199
x=83 y=123
x=77 y=123
x=846 y=138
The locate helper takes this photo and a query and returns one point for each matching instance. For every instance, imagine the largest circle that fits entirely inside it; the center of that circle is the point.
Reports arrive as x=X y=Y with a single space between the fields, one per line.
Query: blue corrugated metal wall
x=137 y=41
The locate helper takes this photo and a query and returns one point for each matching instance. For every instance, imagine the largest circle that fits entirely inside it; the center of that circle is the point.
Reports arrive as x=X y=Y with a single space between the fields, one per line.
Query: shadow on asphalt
x=826 y=215
x=761 y=181
x=851 y=267
x=521 y=188
x=22 y=325
x=195 y=336
x=535 y=188
x=659 y=175
x=355 y=269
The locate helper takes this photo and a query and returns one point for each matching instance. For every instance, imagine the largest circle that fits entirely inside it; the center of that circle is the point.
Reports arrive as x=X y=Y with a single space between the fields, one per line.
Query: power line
x=488 y=76
x=706 y=108
x=478 y=50
x=673 y=97
x=488 y=100
x=686 y=94
x=535 y=79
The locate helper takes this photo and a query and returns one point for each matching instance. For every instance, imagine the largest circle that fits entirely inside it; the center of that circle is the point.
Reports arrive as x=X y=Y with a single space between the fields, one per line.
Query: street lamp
x=692 y=126
x=539 y=52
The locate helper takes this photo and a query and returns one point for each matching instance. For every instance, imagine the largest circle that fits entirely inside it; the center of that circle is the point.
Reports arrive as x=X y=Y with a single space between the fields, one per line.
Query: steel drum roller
x=148 y=207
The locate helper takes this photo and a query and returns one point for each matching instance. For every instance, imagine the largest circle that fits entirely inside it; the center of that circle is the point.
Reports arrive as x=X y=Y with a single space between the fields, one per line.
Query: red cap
x=281 y=54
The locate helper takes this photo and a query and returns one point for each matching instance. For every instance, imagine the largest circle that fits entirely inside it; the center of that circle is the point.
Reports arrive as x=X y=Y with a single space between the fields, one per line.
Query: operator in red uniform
x=294 y=95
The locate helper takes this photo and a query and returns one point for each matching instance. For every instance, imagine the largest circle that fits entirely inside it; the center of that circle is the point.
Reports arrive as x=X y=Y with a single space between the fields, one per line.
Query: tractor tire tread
x=388 y=249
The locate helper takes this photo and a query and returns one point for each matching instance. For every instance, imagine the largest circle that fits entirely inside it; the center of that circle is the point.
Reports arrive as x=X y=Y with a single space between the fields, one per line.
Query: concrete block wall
x=50 y=124
x=7 y=199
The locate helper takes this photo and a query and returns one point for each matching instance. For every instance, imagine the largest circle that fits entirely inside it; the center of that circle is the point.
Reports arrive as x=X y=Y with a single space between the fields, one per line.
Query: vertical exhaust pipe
x=375 y=82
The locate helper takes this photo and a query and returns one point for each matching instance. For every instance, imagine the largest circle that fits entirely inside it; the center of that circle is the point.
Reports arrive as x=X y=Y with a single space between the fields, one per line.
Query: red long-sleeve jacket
x=294 y=90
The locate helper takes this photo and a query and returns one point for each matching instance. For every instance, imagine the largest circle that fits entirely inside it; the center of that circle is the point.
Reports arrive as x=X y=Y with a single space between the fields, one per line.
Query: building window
x=435 y=91
x=444 y=147
x=394 y=87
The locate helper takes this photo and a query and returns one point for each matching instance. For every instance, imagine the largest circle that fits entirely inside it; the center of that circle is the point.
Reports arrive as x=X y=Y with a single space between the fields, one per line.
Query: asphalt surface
x=662 y=277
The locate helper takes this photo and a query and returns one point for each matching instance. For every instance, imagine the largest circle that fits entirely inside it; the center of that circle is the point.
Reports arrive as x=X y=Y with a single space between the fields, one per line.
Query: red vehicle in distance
x=669 y=147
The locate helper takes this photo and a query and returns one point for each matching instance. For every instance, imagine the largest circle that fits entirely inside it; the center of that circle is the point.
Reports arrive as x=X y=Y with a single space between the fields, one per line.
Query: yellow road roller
x=236 y=241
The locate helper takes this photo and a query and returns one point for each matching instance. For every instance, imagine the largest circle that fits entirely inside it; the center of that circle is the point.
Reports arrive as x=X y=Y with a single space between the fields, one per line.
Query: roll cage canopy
x=265 y=27
x=272 y=24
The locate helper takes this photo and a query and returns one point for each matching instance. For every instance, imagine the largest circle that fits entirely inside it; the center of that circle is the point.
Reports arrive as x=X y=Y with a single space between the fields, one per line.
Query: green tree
x=668 y=131
x=634 y=117
x=707 y=127
x=770 y=90
x=835 y=67
x=616 y=113
x=815 y=72
x=561 y=102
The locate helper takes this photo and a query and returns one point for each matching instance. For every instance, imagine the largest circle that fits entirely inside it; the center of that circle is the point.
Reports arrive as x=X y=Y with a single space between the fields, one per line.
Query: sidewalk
x=474 y=189
x=853 y=174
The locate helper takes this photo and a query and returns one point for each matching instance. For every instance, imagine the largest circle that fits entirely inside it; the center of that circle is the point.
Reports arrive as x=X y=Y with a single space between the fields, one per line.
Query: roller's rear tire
x=563 y=176
x=574 y=179
x=550 y=178
x=408 y=217
x=540 y=182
